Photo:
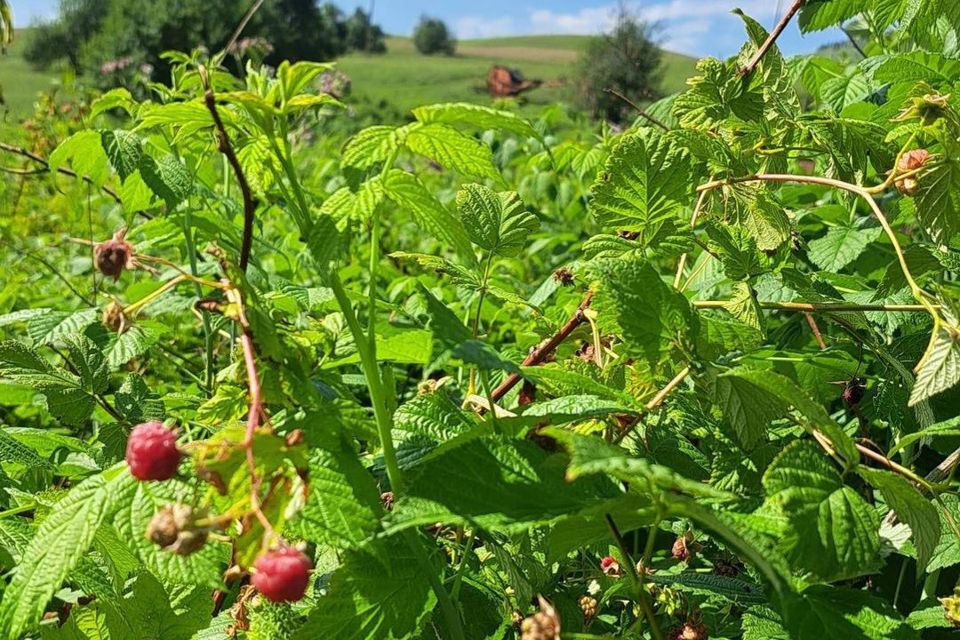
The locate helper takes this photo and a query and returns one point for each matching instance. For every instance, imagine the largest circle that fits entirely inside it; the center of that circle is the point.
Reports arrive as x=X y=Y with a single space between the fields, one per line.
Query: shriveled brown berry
x=564 y=276
x=113 y=318
x=174 y=528
x=690 y=631
x=685 y=547
x=588 y=605
x=543 y=625
x=386 y=498
x=853 y=392
x=114 y=255
x=163 y=528
x=910 y=161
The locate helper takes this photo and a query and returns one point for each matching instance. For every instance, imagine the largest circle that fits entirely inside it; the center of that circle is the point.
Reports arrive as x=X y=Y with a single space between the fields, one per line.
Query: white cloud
x=584 y=21
x=703 y=27
x=472 y=27
x=679 y=9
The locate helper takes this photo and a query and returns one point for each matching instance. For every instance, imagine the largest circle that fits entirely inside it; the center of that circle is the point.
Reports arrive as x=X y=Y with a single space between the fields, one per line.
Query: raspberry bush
x=267 y=372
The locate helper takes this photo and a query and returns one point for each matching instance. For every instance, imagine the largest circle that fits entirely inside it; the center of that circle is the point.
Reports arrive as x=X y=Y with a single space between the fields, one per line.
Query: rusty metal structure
x=504 y=81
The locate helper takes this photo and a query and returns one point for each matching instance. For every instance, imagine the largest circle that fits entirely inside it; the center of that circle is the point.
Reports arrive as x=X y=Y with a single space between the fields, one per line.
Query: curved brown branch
x=540 y=354
x=748 y=68
x=249 y=202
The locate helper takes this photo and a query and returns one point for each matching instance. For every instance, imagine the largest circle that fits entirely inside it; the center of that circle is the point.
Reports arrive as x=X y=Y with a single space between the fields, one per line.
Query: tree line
x=104 y=36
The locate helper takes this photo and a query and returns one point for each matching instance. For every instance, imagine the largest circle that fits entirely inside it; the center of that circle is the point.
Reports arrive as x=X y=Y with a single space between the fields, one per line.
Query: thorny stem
x=223 y=144
x=457 y=580
x=166 y=286
x=635 y=578
x=204 y=317
x=658 y=399
x=547 y=347
x=256 y=406
x=898 y=469
x=772 y=38
x=476 y=319
x=243 y=23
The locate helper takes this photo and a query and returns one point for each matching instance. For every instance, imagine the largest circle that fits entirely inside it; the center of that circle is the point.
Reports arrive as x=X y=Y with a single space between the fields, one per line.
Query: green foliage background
x=702 y=285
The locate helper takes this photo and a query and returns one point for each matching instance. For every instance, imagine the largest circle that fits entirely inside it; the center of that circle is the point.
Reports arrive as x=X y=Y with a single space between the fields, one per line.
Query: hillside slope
x=403 y=79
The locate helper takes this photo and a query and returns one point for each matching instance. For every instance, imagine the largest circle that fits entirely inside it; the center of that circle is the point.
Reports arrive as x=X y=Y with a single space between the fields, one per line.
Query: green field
x=402 y=78
x=19 y=82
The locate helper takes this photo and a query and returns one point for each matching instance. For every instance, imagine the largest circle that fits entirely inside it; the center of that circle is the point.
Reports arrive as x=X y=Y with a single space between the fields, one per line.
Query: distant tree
x=65 y=37
x=363 y=35
x=92 y=34
x=626 y=60
x=432 y=36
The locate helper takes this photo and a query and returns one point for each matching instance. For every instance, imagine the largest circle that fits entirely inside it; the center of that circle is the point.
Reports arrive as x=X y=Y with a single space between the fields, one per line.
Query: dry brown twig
x=748 y=68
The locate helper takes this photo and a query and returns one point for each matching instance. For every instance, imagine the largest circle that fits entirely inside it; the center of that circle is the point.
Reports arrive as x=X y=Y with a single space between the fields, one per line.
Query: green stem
x=485 y=381
x=641 y=594
x=372 y=293
x=458 y=579
x=15 y=510
x=368 y=362
x=375 y=258
x=443 y=598
x=367 y=350
x=204 y=316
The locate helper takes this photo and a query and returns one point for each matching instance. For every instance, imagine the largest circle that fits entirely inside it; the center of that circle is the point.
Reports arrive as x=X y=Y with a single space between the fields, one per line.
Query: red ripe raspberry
x=610 y=566
x=152 y=452
x=282 y=575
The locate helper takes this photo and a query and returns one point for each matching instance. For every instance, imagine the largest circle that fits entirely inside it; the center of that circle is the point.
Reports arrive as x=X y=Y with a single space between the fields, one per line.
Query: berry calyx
x=282 y=575
x=114 y=255
x=610 y=566
x=152 y=452
x=910 y=161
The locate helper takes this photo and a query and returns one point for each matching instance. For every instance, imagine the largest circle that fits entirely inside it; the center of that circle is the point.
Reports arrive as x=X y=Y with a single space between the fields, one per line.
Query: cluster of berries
x=280 y=575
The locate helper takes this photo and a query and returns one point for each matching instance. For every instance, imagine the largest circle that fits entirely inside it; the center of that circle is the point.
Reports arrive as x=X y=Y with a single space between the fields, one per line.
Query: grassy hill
x=19 y=82
x=404 y=79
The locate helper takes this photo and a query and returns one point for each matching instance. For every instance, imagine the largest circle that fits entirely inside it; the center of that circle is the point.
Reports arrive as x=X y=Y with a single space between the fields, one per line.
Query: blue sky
x=695 y=27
